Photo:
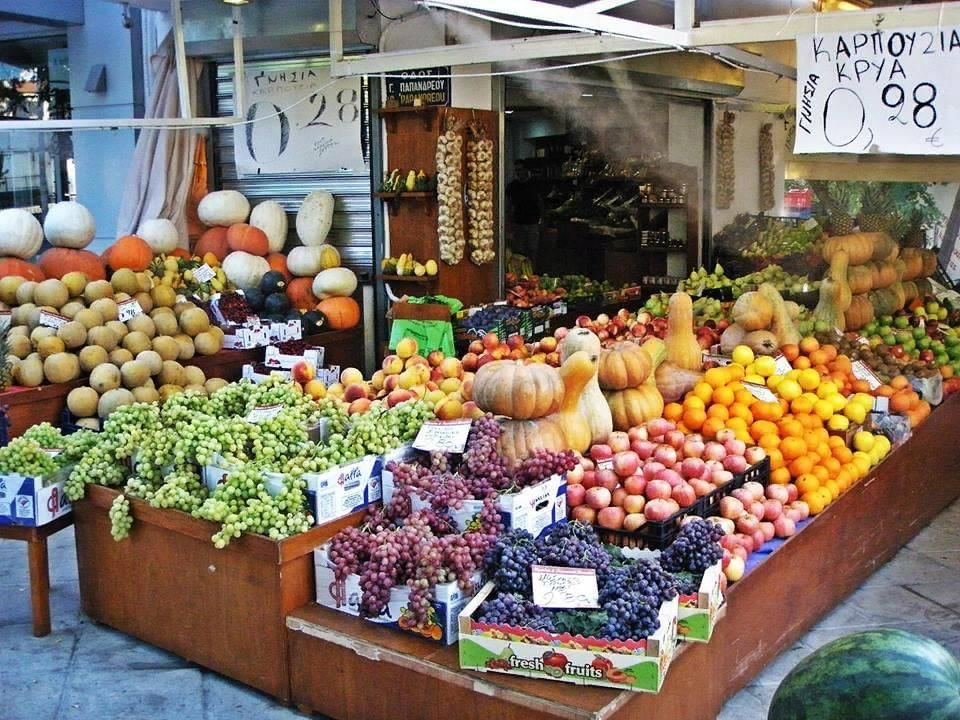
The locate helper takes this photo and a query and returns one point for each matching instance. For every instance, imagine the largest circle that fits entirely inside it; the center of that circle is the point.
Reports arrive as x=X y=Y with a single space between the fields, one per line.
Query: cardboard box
x=341 y=490
x=216 y=472
x=448 y=600
x=535 y=509
x=28 y=501
x=273 y=358
x=245 y=337
x=697 y=613
x=639 y=666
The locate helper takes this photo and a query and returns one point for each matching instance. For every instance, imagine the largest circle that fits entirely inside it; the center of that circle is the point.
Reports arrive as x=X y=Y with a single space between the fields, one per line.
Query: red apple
x=675 y=439
x=651 y=468
x=611 y=518
x=756 y=509
x=725 y=524
x=784 y=527
x=766 y=528
x=575 y=475
x=692 y=467
x=725 y=434
x=792 y=493
x=469 y=361
x=660 y=509
x=744 y=496
x=741 y=552
x=589 y=479
x=670 y=476
x=584 y=321
x=547 y=344
x=721 y=477
x=585 y=514
x=561 y=332
x=598 y=497
x=731 y=508
x=735 y=569
x=734 y=446
x=576 y=495
x=659 y=426
x=665 y=454
x=608 y=478
x=755 y=454
x=658 y=489
x=515 y=341
x=802 y=507
x=693 y=447
x=587 y=463
x=735 y=463
x=618 y=441
x=747 y=524
x=643 y=448
x=435 y=358
x=772 y=509
x=684 y=495
x=778 y=492
x=714 y=451
x=634 y=521
x=746 y=541
x=758 y=539
x=729 y=542
x=635 y=484
x=601 y=452
x=701 y=487
x=618 y=496
x=626 y=463
x=637 y=432
x=634 y=503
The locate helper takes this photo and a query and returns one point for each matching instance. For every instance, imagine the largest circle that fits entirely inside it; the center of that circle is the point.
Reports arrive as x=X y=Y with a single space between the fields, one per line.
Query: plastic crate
x=4 y=426
x=657 y=535
x=68 y=423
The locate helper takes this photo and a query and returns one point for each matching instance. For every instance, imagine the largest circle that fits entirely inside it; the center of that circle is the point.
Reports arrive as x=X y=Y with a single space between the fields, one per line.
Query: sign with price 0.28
x=882 y=91
x=282 y=135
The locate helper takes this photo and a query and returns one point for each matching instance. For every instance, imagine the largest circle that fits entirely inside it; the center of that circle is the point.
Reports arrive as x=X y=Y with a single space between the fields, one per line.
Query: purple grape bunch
x=696 y=548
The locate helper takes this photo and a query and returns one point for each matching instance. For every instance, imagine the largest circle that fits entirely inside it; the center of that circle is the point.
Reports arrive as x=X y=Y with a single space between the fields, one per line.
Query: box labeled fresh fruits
x=637 y=665
x=341 y=490
x=697 y=614
x=447 y=601
x=33 y=501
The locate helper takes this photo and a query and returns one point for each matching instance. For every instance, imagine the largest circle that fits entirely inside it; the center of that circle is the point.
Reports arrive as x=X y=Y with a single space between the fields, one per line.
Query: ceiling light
x=508 y=112
x=237 y=2
x=586 y=94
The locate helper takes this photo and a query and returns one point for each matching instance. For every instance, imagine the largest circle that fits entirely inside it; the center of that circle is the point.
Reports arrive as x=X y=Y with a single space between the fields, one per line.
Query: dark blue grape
x=696 y=548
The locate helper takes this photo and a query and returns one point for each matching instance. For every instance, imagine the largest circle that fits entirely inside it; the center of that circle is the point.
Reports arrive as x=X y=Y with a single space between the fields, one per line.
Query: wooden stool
x=36 y=539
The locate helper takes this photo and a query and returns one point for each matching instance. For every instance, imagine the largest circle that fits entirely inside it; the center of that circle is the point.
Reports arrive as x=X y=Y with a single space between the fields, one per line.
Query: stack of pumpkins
x=763 y=321
x=250 y=244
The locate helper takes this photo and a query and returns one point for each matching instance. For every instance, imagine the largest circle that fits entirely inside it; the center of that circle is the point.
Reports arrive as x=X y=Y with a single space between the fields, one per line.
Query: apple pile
x=440 y=380
x=753 y=515
x=490 y=348
x=651 y=472
x=629 y=326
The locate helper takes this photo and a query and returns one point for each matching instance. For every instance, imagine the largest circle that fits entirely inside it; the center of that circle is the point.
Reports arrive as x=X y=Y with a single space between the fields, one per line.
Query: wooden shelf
x=428 y=112
x=424 y=196
x=423 y=279
x=410 y=109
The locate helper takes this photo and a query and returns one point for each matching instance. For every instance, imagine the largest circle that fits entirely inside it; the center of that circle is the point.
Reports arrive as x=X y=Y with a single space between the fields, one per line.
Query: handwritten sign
x=263 y=413
x=560 y=587
x=782 y=366
x=861 y=372
x=284 y=135
x=449 y=437
x=431 y=86
x=760 y=392
x=879 y=91
x=52 y=320
x=128 y=309
x=204 y=273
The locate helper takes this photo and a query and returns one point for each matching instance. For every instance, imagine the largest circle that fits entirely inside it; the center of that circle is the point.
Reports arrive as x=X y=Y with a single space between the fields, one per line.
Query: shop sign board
x=431 y=86
x=299 y=120
x=879 y=91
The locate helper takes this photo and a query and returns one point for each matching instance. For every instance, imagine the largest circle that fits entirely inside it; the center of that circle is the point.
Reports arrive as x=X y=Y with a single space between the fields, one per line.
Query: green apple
x=924 y=342
x=918 y=332
x=889 y=339
x=933 y=307
x=942 y=313
x=941 y=358
x=886 y=319
x=869 y=329
x=901 y=321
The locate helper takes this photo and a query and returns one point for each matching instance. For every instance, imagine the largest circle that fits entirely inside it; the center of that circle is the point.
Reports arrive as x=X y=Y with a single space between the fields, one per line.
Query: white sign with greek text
x=440 y=436
x=880 y=91
x=562 y=587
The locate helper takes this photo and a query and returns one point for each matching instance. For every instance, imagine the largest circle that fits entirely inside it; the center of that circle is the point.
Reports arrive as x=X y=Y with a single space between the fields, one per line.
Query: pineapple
x=839 y=199
x=877 y=213
x=5 y=368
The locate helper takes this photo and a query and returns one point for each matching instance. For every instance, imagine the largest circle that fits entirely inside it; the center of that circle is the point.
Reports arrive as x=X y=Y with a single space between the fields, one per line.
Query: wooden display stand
x=167 y=585
x=333 y=656
x=411 y=145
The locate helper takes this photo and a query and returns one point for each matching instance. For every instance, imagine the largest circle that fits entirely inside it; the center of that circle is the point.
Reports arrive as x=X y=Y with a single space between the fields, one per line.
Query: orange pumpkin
x=248 y=238
x=342 y=313
x=278 y=262
x=300 y=293
x=16 y=266
x=130 y=251
x=57 y=262
x=180 y=253
x=213 y=241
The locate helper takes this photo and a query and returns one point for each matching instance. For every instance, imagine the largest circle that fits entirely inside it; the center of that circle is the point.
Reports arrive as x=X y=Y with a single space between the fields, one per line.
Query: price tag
x=263 y=413
x=204 y=273
x=440 y=436
x=862 y=372
x=760 y=392
x=605 y=464
x=881 y=405
x=53 y=320
x=52 y=452
x=721 y=360
x=129 y=309
x=782 y=366
x=560 y=587
x=861 y=340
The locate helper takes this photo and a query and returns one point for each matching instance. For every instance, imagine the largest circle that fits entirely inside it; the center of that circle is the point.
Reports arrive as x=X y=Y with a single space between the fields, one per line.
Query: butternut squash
x=592 y=404
x=673 y=382
x=835 y=294
x=683 y=350
x=752 y=311
x=782 y=326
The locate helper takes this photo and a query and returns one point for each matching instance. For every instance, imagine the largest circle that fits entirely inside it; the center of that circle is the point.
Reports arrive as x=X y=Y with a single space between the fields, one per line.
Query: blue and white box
x=27 y=501
x=339 y=491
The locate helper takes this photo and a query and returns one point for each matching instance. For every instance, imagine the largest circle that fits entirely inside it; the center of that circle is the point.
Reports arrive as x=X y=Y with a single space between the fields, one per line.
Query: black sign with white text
x=430 y=85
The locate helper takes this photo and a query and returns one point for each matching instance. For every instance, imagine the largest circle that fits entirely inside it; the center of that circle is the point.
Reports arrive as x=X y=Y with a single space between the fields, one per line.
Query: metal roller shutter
x=352 y=230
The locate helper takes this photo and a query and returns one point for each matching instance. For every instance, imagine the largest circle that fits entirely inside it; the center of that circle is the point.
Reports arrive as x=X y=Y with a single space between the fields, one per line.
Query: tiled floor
x=82 y=671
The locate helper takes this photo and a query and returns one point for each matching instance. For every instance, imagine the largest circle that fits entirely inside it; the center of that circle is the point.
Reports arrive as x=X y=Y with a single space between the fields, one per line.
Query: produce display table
x=167 y=585
x=28 y=406
x=333 y=656
x=36 y=539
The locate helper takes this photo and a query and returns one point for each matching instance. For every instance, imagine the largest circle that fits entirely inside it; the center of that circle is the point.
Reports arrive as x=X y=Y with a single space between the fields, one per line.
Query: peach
x=398 y=396
x=435 y=358
x=378 y=379
x=409 y=378
x=360 y=405
x=450 y=385
x=315 y=389
x=449 y=409
x=451 y=368
x=407 y=347
x=471 y=410
x=355 y=392
x=351 y=376
x=392 y=365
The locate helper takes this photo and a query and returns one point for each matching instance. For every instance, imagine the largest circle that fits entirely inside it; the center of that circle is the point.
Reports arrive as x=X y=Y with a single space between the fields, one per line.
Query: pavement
x=83 y=671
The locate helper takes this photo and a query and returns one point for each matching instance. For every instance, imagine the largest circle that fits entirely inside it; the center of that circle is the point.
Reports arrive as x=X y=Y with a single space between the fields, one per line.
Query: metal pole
x=180 y=54
x=239 y=81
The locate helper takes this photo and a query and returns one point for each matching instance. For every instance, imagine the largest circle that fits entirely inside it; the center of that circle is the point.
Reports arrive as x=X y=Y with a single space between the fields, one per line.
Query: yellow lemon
x=882 y=442
x=774 y=380
x=823 y=409
x=809 y=379
x=864 y=400
x=753 y=378
x=826 y=389
x=716 y=377
x=742 y=355
x=863 y=441
x=838 y=423
x=838 y=401
x=789 y=389
x=793 y=374
x=862 y=461
x=855 y=412
x=765 y=365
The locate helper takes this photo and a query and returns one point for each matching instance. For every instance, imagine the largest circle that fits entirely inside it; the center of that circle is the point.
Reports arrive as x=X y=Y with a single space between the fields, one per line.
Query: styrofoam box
x=273 y=358
x=25 y=500
x=341 y=490
x=448 y=600
x=535 y=509
x=246 y=338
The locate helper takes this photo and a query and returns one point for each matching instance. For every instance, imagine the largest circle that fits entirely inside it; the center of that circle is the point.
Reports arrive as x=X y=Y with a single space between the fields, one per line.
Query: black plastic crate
x=658 y=535
x=4 y=426
x=68 y=423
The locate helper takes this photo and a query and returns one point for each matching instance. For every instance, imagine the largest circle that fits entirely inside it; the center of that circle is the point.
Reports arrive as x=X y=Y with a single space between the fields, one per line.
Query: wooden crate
x=333 y=655
x=167 y=585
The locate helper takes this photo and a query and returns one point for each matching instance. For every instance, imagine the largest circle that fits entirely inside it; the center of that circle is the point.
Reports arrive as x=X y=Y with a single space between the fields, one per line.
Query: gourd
x=882 y=274
x=861 y=247
x=223 y=207
x=782 y=326
x=160 y=234
x=624 y=366
x=835 y=294
x=342 y=313
x=634 y=406
x=20 y=234
x=674 y=382
x=130 y=252
x=752 y=311
x=270 y=217
x=247 y=238
x=213 y=241
x=913 y=263
x=859 y=313
x=245 y=270
x=329 y=256
x=656 y=349
x=592 y=404
x=69 y=224
x=519 y=391
x=859 y=278
x=57 y=262
x=683 y=350
x=335 y=282
x=300 y=293
x=731 y=337
x=566 y=428
x=762 y=342
x=304 y=261
x=315 y=217
x=11 y=266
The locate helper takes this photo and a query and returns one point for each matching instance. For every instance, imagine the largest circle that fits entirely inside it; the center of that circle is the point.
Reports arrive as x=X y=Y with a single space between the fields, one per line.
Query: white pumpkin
x=223 y=207
x=270 y=217
x=304 y=261
x=20 y=234
x=160 y=234
x=315 y=217
x=245 y=270
x=69 y=225
x=335 y=282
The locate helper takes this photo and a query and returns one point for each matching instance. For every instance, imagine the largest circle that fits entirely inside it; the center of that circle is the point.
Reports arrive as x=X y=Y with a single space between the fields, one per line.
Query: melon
x=89 y=317
x=24 y=293
x=73 y=334
x=163 y=296
x=152 y=360
x=29 y=371
x=125 y=280
x=136 y=341
x=8 y=288
x=194 y=376
x=82 y=402
x=120 y=355
x=187 y=348
x=91 y=356
x=145 y=301
x=50 y=346
x=118 y=329
x=214 y=384
x=194 y=321
x=113 y=399
x=71 y=309
x=166 y=323
x=96 y=290
x=61 y=367
x=105 y=377
x=168 y=391
x=207 y=343
x=19 y=346
x=882 y=674
x=51 y=292
x=146 y=394
x=142 y=323
x=166 y=348
x=134 y=374
x=40 y=332
x=171 y=373
x=107 y=308
x=75 y=282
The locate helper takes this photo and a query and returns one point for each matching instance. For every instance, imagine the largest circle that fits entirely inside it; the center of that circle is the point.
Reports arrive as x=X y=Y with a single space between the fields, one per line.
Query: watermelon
x=872 y=675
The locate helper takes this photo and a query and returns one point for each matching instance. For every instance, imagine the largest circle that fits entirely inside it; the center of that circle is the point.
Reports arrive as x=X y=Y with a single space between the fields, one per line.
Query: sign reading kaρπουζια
x=879 y=91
